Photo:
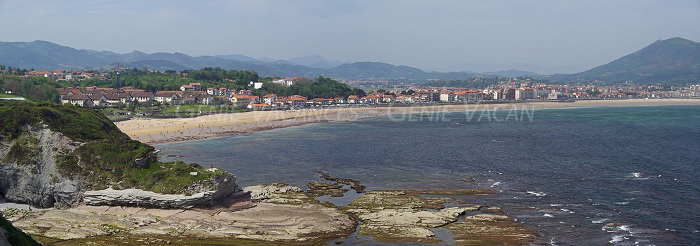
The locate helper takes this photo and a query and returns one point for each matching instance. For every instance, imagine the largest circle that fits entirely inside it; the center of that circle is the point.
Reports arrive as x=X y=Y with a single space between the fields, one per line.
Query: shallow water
x=620 y=175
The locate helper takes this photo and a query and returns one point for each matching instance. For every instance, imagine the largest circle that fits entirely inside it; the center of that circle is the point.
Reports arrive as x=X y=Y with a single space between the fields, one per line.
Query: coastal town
x=383 y=93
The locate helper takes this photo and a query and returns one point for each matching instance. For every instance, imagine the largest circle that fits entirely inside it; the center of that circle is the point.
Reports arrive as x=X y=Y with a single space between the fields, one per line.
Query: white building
x=286 y=81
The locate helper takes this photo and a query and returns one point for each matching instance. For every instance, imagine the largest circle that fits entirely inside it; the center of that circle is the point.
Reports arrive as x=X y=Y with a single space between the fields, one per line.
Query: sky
x=545 y=36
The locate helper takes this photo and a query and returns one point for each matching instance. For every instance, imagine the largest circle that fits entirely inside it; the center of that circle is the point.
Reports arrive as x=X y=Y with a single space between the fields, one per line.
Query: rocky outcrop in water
x=403 y=216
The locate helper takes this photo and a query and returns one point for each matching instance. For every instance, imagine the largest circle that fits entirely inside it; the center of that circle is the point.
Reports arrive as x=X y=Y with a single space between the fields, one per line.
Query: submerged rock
x=323 y=189
x=394 y=216
x=354 y=184
x=491 y=232
x=402 y=216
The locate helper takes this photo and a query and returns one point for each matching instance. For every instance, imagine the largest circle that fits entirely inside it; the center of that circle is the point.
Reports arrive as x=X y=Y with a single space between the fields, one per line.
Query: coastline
x=159 y=131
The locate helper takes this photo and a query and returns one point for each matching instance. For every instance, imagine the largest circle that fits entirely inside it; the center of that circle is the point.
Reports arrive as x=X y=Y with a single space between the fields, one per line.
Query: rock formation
x=63 y=156
x=31 y=176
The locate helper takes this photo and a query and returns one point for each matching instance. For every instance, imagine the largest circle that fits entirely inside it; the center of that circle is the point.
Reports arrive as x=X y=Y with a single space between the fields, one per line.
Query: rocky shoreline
x=279 y=213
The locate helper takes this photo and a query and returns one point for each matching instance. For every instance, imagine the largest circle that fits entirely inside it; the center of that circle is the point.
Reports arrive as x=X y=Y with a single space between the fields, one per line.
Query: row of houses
x=61 y=74
x=110 y=97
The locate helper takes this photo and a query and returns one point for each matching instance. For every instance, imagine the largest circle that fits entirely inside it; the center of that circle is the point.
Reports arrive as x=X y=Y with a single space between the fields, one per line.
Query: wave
x=535 y=193
x=600 y=221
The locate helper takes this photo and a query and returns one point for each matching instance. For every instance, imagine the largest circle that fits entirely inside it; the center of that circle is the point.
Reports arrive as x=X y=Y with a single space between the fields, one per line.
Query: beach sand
x=154 y=131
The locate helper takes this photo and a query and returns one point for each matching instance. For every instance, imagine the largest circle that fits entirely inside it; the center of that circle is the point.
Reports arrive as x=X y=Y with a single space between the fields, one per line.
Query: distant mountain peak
x=674 y=59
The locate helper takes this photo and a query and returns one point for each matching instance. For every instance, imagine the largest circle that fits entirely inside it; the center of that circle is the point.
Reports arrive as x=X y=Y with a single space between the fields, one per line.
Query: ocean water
x=584 y=176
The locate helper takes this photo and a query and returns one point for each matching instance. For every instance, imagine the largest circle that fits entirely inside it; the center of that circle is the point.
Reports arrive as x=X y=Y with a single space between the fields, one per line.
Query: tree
x=13 y=85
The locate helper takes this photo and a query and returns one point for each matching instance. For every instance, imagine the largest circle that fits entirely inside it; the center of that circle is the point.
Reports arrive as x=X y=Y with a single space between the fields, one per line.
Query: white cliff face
x=37 y=180
x=39 y=183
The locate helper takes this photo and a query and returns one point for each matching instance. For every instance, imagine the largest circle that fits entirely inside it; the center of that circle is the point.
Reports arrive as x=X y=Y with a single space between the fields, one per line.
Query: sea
x=579 y=176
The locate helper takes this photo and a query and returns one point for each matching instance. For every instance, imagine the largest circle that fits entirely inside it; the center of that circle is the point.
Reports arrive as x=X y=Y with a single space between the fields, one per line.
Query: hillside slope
x=50 y=155
x=671 y=60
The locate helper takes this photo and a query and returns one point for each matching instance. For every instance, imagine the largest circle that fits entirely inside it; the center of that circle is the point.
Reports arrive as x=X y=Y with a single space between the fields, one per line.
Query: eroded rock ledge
x=286 y=215
x=283 y=214
x=226 y=189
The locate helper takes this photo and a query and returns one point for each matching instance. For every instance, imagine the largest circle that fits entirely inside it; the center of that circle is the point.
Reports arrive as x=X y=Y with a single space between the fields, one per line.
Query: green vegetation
x=109 y=158
x=14 y=235
x=31 y=88
x=76 y=123
x=321 y=87
x=24 y=151
x=171 y=80
x=674 y=61
x=2 y=95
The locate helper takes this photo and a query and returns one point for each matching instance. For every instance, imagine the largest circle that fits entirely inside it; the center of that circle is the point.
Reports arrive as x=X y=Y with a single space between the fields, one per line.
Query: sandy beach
x=154 y=131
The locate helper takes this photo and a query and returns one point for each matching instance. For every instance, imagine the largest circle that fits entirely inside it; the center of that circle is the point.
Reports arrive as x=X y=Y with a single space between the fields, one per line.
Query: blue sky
x=540 y=35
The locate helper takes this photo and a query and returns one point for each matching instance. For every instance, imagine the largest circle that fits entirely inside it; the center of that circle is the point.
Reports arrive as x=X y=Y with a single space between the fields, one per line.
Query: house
x=196 y=97
x=286 y=81
x=269 y=99
x=78 y=100
x=258 y=106
x=295 y=101
x=388 y=98
x=186 y=88
x=555 y=95
x=243 y=92
x=222 y=92
x=322 y=101
x=142 y=97
x=167 y=96
x=524 y=94
x=196 y=86
x=124 y=97
x=447 y=97
x=112 y=99
x=468 y=95
x=353 y=99
x=374 y=98
x=240 y=100
x=130 y=90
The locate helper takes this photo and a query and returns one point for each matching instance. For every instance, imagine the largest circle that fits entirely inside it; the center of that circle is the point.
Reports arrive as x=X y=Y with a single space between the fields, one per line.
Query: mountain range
x=670 y=60
x=674 y=59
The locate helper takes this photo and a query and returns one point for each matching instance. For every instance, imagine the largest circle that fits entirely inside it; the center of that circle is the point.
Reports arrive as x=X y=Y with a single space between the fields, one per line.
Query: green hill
x=671 y=60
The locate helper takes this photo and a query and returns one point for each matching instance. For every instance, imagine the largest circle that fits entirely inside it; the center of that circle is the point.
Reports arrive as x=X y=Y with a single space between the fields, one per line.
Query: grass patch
x=14 y=235
x=23 y=151
x=3 y=95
